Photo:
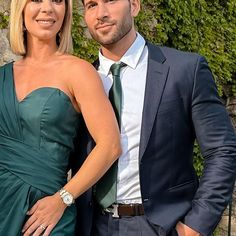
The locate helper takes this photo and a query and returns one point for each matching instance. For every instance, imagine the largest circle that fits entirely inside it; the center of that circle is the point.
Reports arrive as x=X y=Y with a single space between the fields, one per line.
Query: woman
x=41 y=99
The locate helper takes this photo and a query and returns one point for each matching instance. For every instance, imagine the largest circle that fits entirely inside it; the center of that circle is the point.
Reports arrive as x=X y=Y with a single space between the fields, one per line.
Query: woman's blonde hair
x=18 y=39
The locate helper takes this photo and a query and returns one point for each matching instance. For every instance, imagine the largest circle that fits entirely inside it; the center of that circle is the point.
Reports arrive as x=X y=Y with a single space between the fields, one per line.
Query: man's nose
x=102 y=11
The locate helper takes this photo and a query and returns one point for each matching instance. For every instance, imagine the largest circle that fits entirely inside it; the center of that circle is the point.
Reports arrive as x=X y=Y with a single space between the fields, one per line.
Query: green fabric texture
x=106 y=188
x=36 y=139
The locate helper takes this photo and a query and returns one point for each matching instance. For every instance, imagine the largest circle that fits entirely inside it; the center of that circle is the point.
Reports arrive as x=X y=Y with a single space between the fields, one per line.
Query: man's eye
x=91 y=5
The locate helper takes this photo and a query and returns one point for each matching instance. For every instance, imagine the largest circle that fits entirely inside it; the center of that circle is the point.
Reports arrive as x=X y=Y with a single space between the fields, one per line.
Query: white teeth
x=46 y=21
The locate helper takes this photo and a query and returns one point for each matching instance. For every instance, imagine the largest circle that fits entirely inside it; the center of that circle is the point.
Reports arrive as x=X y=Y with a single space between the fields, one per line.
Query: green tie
x=105 y=191
x=115 y=94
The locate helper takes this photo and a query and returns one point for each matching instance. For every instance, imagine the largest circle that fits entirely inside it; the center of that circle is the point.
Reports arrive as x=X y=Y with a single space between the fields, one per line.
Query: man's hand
x=184 y=230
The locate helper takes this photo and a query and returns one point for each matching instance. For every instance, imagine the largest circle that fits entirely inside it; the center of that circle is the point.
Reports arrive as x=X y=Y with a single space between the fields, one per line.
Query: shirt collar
x=130 y=58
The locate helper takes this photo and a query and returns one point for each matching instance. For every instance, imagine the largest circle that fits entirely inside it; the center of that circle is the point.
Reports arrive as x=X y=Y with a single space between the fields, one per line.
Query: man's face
x=109 y=21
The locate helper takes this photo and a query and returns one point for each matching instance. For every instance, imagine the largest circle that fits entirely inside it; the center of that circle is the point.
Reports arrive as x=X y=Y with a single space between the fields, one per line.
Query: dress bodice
x=43 y=127
x=49 y=121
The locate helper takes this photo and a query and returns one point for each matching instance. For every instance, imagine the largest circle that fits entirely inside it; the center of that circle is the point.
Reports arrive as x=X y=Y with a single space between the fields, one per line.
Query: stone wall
x=5 y=53
x=223 y=226
x=4 y=5
x=6 y=56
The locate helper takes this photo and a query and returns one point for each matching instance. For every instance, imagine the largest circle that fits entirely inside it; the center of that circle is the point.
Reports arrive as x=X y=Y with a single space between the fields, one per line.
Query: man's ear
x=135 y=7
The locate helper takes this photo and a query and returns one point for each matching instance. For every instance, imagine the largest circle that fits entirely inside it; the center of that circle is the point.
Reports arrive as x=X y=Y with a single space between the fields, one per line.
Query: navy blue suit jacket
x=181 y=104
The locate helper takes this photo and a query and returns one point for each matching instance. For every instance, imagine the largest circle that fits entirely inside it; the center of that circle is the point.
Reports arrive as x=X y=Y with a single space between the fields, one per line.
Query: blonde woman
x=41 y=101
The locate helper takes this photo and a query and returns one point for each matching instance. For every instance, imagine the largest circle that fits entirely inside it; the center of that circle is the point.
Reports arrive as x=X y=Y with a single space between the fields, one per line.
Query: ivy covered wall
x=204 y=26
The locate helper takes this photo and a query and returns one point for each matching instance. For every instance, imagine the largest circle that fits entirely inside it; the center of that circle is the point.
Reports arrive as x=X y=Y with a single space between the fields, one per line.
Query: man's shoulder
x=173 y=53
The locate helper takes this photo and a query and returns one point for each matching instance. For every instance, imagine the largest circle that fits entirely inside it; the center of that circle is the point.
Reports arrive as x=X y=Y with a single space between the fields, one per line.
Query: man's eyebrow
x=89 y=2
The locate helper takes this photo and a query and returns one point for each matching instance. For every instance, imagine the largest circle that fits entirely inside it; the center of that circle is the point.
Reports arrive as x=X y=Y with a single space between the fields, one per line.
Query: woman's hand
x=44 y=216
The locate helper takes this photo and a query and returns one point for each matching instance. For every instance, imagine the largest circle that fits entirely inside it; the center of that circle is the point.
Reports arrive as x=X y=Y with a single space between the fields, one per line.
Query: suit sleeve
x=217 y=141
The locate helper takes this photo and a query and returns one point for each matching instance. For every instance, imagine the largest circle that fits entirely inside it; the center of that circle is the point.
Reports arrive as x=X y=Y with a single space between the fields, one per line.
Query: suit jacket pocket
x=182 y=186
x=184 y=191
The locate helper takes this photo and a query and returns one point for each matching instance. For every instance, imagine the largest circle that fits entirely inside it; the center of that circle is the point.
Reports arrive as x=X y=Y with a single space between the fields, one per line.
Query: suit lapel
x=156 y=79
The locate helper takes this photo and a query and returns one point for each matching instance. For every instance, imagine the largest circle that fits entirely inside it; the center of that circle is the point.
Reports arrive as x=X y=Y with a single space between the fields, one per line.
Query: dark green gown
x=36 y=139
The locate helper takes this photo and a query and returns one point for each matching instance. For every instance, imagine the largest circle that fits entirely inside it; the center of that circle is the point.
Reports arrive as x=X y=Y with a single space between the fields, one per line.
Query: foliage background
x=207 y=27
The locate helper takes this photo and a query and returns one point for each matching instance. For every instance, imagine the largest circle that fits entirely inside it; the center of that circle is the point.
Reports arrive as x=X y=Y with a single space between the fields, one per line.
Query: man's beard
x=122 y=30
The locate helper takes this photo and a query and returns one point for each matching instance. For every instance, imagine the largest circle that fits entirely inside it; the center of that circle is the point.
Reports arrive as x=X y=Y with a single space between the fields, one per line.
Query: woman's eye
x=36 y=0
x=57 y=1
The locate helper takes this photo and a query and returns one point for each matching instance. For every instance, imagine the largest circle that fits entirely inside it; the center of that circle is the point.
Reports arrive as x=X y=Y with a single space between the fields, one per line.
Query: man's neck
x=115 y=51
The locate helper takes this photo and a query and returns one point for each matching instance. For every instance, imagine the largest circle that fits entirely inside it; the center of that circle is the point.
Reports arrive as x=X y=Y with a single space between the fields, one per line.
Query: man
x=169 y=98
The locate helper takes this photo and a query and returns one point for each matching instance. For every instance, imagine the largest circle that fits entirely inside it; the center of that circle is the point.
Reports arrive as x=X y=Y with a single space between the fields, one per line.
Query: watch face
x=68 y=199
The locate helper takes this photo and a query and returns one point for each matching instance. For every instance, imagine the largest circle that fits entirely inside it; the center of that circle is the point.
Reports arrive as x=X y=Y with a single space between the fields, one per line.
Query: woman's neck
x=39 y=51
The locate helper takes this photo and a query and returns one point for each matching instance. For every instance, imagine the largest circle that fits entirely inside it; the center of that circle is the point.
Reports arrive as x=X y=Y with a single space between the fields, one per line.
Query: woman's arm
x=87 y=89
x=101 y=123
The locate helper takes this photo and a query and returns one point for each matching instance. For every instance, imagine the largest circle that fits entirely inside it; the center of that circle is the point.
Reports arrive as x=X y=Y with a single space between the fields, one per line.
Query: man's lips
x=104 y=26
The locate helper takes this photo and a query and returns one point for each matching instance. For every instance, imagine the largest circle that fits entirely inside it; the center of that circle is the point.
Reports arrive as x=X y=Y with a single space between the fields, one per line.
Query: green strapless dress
x=36 y=139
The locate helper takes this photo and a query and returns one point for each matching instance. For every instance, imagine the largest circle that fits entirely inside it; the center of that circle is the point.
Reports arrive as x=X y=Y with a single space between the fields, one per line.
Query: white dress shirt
x=133 y=81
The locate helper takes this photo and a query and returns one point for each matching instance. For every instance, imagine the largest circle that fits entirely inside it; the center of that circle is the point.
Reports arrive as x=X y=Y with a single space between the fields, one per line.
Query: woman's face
x=43 y=19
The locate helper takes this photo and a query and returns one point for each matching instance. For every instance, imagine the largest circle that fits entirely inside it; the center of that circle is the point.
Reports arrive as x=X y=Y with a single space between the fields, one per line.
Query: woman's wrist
x=59 y=201
x=66 y=197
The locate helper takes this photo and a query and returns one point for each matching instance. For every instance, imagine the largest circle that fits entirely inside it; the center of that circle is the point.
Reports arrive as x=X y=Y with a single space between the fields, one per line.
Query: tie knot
x=115 y=68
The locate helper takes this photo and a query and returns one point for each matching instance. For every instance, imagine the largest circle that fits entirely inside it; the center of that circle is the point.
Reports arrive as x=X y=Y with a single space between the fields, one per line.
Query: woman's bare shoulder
x=79 y=68
x=77 y=63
